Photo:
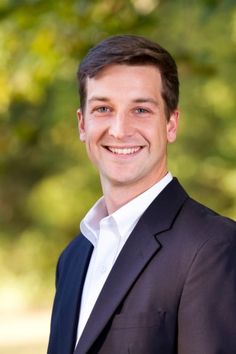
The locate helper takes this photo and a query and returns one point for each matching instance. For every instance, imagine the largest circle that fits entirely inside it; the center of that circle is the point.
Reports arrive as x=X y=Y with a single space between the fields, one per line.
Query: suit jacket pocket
x=136 y=333
x=139 y=320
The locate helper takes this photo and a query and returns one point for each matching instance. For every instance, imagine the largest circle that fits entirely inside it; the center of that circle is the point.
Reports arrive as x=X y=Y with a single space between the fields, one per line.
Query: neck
x=115 y=198
x=120 y=194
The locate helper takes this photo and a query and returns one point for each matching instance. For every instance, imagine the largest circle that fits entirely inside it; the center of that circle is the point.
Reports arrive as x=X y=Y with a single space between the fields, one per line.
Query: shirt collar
x=89 y=226
x=125 y=217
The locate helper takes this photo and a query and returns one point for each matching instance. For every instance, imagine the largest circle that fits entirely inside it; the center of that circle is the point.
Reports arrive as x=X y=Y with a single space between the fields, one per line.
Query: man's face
x=125 y=128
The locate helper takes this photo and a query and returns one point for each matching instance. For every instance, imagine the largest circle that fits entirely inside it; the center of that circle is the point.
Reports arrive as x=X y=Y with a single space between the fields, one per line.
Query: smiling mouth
x=123 y=151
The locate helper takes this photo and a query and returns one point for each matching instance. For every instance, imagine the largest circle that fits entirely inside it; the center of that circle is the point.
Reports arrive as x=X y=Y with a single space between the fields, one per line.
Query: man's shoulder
x=205 y=212
x=197 y=216
x=197 y=212
x=76 y=247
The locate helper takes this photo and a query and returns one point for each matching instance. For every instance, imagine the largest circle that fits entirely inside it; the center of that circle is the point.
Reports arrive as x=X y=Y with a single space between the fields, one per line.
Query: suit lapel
x=126 y=269
x=139 y=249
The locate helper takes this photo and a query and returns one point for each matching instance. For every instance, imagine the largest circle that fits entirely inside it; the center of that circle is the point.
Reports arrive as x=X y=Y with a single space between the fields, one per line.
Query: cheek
x=94 y=127
x=158 y=135
x=91 y=152
x=92 y=141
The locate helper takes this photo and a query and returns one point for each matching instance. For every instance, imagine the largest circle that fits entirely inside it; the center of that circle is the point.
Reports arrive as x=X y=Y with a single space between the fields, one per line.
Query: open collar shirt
x=108 y=234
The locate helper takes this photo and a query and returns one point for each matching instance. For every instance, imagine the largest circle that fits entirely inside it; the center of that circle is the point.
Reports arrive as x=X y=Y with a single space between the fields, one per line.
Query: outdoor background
x=47 y=183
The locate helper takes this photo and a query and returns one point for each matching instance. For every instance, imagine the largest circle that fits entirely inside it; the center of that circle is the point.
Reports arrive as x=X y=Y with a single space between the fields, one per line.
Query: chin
x=125 y=181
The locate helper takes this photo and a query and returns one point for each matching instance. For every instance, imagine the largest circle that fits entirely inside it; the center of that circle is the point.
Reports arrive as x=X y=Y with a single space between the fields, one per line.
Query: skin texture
x=126 y=131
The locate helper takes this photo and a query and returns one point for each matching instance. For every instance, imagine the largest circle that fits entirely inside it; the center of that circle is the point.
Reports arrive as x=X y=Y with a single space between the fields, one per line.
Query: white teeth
x=125 y=151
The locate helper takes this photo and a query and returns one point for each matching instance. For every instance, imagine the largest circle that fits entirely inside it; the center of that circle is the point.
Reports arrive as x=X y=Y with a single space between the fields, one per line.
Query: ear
x=81 y=125
x=172 y=126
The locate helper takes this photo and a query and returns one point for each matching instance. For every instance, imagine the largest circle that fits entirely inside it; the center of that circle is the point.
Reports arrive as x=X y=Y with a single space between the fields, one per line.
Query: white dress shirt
x=108 y=234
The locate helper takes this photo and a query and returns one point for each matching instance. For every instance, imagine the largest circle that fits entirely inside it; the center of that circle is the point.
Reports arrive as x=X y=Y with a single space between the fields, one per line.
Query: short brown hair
x=131 y=50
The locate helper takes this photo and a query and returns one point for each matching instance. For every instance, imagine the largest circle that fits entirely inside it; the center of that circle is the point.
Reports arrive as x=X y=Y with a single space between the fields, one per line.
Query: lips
x=124 y=151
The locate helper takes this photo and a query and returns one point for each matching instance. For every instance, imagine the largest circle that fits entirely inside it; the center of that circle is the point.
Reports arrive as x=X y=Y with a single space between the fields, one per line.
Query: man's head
x=131 y=50
x=128 y=115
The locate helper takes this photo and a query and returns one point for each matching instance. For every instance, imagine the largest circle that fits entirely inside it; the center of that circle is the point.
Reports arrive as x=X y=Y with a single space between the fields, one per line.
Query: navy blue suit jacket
x=172 y=289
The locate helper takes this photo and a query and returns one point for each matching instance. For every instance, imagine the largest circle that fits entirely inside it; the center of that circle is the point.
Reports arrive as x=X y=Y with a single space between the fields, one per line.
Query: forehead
x=119 y=80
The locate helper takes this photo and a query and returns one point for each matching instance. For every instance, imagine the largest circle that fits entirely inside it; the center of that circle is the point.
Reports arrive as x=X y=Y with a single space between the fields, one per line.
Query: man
x=153 y=271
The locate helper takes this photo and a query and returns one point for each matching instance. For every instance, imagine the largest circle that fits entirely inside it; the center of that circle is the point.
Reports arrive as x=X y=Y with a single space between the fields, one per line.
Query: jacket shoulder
x=73 y=253
x=202 y=220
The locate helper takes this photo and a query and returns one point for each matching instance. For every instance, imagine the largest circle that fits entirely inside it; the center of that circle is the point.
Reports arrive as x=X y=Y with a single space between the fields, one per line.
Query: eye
x=142 y=110
x=102 y=109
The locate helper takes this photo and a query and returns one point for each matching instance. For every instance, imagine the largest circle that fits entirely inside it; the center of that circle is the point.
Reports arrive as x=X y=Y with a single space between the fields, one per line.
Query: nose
x=120 y=126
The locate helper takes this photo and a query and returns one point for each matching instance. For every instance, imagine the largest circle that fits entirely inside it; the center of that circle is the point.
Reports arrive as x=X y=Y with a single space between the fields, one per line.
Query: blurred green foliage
x=47 y=183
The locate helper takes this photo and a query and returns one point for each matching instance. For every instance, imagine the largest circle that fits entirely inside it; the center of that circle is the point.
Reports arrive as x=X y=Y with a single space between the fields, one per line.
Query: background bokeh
x=47 y=183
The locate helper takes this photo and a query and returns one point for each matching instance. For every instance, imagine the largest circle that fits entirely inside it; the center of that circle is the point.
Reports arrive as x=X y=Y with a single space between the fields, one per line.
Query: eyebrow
x=146 y=100
x=98 y=98
x=136 y=100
